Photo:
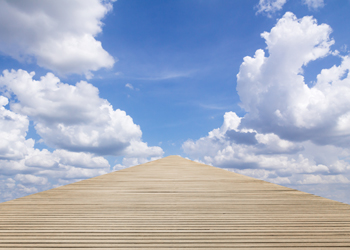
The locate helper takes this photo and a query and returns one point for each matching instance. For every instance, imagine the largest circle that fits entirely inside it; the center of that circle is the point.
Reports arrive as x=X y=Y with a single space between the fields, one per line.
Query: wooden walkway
x=174 y=203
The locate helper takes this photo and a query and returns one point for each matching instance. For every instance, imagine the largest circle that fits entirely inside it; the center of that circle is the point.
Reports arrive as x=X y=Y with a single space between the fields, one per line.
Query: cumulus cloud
x=74 y=118
x=58 y=35
x=291 y=134
x=270 y=157
x=25 y=170
x=270 y=6
x=273 y=91
x=82 y=160
x=30 y=179
x=42 y=170
x=80 y=126
x=13 y=131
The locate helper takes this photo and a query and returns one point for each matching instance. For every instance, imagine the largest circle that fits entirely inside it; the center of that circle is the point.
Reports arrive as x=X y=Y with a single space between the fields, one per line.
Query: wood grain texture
x=174 y=203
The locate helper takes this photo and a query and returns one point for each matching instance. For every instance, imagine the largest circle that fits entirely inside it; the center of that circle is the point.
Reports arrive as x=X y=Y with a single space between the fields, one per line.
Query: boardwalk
x=174 y=203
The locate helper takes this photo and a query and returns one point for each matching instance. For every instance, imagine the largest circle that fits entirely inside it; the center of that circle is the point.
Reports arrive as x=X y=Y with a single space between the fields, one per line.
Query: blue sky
x=261 y=88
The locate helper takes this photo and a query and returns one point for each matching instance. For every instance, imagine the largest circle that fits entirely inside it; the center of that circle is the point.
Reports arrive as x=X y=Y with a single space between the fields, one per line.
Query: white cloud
x=27 y=190
x=314 y=4
x=140 y=149
x=315 y=179
x=268 y=157
x=31 y=175
x=30 y=179
x=273 y=91
x=166 y=75
x=270 y=6
x=75 y=173
x=292 y=134
x=41 y=159
x=74 y=118
x=81 y=160
x=67 y=165
x=129 y=85
x=133 y=161
x=26 y=170
x=58 y=35
x=13 y=130
x=230 y=138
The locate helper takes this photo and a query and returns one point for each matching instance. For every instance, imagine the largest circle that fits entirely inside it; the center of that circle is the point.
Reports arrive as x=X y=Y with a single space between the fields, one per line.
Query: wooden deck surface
x=174 y=203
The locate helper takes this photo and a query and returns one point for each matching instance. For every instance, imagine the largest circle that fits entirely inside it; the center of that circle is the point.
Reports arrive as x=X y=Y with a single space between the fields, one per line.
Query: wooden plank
x=174 y=203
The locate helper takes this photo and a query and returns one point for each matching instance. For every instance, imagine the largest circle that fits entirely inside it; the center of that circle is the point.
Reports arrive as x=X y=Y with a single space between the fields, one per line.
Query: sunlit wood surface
x=174 y=203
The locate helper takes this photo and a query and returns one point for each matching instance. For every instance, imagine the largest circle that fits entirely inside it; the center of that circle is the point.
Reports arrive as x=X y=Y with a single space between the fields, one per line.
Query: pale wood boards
x=174 y=203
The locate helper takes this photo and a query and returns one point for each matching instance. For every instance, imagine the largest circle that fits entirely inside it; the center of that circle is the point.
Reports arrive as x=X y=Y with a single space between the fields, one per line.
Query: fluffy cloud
x=42 y=170
x=74 y=118
x=273 y=91
x=269 y=157
x=13 y=130
x=58 y=35
x=30 y=179
x=81 y=160
x=25 y=170
x=292 y=134
x=270 y=6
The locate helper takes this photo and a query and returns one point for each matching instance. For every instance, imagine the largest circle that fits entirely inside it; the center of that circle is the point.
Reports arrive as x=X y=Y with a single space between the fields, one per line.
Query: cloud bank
x=74 y=120
x=292 y=133
x=25 y=170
